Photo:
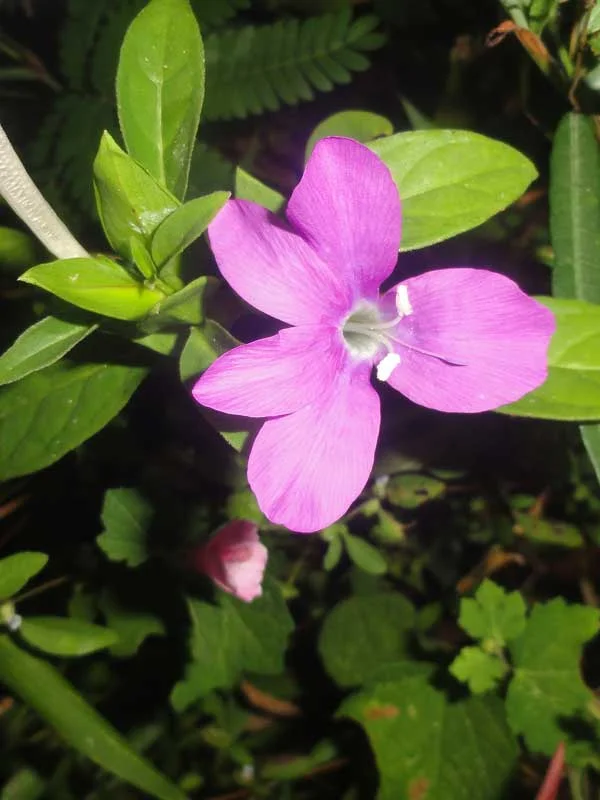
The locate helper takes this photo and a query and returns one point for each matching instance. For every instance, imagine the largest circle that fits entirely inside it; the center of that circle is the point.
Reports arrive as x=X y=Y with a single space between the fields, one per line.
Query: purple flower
x=463 y=340
x=234 y=559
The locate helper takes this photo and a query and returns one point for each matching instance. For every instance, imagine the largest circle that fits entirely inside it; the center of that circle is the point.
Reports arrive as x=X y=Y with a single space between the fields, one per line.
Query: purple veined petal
x=273 y=268
x=347 y=207
x=307 y=468
x=274 y=376
x=491 y=338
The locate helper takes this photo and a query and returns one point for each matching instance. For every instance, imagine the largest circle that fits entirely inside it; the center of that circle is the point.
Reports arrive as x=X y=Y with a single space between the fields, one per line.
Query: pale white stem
x=25 y=199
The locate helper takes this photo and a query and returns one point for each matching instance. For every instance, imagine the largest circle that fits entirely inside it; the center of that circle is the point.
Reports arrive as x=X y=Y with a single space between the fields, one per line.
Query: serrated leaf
x=427 y=747
x=126 y=516
x=547 y=688
x=364 y=126
x=185 y=225
x=494 y=616
x=65 y=637
x=230 y=638
x=160 y=90
x=52 y=411
x=95 y=284
x=54 y=699
x=39 y=346
x=132 y=627
x=131 y=203
x=364 y=555
x=451 y=181
x=479 y=670
x=364 y=632
x=17 y=570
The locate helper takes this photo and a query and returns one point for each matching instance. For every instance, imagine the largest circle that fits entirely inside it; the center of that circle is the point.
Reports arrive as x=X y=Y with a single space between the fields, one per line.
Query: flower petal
x=273 y=376
x=307 y=468
x=347 y=207
x=491 y=340
x=273 y=268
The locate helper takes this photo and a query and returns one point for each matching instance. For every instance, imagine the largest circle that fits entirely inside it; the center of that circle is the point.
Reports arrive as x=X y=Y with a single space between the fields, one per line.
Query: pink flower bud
x=235 y=559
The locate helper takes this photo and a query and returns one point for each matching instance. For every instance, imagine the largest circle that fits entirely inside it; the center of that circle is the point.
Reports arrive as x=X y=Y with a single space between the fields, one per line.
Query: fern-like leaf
x=213 y=14
x=255 y=69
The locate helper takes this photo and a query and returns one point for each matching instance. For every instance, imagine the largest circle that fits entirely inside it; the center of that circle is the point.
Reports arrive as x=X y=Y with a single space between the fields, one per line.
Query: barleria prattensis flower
x=458 y=340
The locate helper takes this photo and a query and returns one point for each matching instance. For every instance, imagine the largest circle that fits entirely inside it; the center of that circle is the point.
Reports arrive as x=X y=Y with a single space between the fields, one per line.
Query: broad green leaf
x=364 y=555
x=364 y=632
x=247 y=187
x=451 y=181
x=547 y=688
x=481 y=671
x=231 y=638
x=126 y=516
x=17 y=570
x=45 y=690
x=39 y=346
x=185 y=225
x=493 y=616
x=131 y=203
x=52 y=411
x=572 y=389
x=96 y=284
x=364 y=126
x=131 y=626
x=160 y=90
x=186 y=305
x=411 y=490
x=575 y=225
x=65 y=637
x=426 y=747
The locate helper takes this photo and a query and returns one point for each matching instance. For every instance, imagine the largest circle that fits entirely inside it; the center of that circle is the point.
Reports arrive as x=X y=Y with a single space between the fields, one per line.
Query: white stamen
x=386 y=366
x=402 y=302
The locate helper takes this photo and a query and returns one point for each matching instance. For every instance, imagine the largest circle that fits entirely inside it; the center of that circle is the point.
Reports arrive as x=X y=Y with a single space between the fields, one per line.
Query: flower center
x=365 y=332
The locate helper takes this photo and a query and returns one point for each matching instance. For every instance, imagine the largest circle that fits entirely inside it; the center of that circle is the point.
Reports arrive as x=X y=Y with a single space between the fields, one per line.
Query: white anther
x=14 y=623
x=386 y=366
x=403 y=305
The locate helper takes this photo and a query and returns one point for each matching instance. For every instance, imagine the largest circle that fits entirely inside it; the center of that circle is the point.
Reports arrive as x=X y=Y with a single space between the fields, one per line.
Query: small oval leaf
x=184 y=225
x=66 y=637
x=17 y=570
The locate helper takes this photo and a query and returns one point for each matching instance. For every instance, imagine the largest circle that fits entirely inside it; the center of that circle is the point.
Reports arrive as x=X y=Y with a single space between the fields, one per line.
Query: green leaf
x=481 y=671
x=411 y=490
x=231 y=638
x=451 y=181
x=160 y=90
x=364 y=555
x=427 y=747
x=547 y=531
x=186 y=305
x=131 y=203
x=52 y=411
x=494 y=616
x=203 y=346
x=572 y=389
x=364 y=126
x=126 y=516
x=247 y=187
x=185 y=225
x=547 y=688
x=96 y=284
x=26 y=784
x=17 y=570
x=39 y=346
x=47 y=692
x=333 y=554
x=65 y=637
x=575 y=226
x=18 y=250
x=132 y=627
x=364 y=632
